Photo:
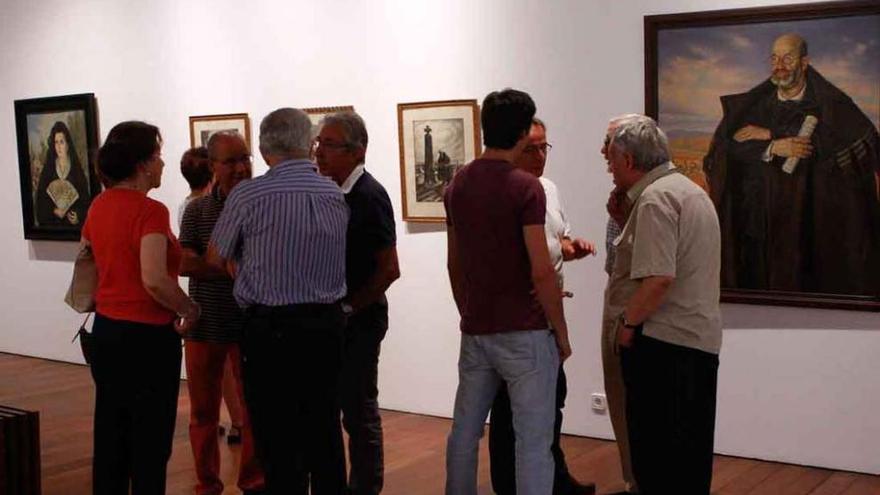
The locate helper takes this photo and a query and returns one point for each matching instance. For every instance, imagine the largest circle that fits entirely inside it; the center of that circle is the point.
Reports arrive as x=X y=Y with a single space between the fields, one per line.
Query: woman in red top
x=140 y=314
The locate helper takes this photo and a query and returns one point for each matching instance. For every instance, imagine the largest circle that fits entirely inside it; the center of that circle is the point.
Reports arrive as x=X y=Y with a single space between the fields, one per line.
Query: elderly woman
x=140 y=314
x=63 y=189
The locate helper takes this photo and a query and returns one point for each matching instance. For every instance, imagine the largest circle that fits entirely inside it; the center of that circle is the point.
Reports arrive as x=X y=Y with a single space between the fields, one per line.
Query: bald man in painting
x=812 y=225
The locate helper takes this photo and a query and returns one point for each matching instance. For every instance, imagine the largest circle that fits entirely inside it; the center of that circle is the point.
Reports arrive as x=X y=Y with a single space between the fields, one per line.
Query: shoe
x=234 y=436
x=574 y=487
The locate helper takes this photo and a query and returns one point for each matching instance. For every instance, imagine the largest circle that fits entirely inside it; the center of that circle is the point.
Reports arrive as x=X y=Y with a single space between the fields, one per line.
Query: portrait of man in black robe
x=798 y=213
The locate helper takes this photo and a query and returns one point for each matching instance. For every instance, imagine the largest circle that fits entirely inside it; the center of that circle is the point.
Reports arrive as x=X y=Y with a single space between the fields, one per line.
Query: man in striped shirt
x=283 y=235
x=218 y=333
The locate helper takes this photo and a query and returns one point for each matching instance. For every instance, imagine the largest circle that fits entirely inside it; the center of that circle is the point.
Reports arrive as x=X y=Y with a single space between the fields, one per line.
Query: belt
x=304 y=309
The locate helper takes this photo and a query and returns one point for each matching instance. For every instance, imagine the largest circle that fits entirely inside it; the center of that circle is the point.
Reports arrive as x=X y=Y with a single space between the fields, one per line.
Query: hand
x=72 y=217
x=564 y=349
x=616 y=206
x=798 y=147
x=625 y=336
x=582 y=248
x=187 y=320
x=752 y=132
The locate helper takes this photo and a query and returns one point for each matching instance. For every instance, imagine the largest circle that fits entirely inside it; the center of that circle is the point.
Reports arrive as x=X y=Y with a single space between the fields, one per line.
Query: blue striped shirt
x=286 y=230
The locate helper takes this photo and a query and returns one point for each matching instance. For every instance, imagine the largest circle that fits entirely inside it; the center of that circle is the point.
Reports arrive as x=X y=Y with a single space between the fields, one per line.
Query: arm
x=163 y=288
x=546 y=288
x=577 y=248
x=218 y=263
x=453 y=266
x=643 y=303
x=194 y=265
x=387 y=271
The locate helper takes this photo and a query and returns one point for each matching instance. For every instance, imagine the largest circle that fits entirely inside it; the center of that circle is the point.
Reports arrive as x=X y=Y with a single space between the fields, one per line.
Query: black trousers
x=358 y=393
x=136 y=369
x=670 y=415
x=502 y=443
x=291 y=358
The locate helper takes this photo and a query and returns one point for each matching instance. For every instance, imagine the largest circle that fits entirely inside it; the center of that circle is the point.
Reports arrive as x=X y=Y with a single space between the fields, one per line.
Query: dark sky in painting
x=697 y=65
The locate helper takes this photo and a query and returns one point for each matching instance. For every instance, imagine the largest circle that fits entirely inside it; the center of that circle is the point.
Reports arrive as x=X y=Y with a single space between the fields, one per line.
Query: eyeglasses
x=235 y=160
x=329 y=145
x=543 y=148
x=787 y=60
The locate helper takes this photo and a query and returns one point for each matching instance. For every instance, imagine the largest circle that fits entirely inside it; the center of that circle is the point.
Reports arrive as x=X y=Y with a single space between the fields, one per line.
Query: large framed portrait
x=775 y=111
x=57 y=142
x=436 y=139
x=202 y=127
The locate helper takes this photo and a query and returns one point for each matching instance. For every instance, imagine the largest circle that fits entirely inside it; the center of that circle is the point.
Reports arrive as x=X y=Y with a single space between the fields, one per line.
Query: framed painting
x=775 y=112
x=201 y=127
x=57 y=143
x=318 y=113
x=436 y=139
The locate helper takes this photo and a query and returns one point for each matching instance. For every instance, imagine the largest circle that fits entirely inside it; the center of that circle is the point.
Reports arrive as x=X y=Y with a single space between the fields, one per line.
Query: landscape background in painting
x=696 y=66
x=448 y=137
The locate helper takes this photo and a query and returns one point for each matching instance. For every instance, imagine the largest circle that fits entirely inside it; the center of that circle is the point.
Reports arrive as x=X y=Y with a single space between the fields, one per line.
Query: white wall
x=795 y=385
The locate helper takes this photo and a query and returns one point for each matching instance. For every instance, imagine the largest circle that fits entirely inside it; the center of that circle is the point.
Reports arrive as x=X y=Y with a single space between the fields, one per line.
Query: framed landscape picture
x=775 y=112
x=201 y=127
x=57 y=143
x=436 y=139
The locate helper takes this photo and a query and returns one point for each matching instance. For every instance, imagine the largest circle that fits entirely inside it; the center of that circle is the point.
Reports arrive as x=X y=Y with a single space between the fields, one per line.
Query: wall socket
x=598 y=402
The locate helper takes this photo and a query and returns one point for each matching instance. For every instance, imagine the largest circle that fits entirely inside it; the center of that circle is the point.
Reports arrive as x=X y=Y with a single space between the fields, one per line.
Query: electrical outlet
x=598 y=402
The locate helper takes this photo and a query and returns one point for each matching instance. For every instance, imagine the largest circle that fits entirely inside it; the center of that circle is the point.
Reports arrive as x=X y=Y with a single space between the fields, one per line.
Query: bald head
x=791 y=43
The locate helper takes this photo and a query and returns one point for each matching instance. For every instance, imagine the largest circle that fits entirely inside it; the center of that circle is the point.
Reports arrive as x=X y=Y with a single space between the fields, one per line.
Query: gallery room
x=797 y=381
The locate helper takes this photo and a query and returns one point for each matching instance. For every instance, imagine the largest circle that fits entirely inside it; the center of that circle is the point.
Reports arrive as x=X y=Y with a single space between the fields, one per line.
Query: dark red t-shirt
x=488 y=203
x=117 y=220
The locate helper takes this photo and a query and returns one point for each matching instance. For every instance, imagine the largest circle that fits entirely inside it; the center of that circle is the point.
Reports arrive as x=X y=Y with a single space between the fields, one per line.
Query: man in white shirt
x=562 y=248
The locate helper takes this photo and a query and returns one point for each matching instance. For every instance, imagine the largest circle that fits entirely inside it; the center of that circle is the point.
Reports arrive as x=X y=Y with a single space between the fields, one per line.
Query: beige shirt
x=672 y=231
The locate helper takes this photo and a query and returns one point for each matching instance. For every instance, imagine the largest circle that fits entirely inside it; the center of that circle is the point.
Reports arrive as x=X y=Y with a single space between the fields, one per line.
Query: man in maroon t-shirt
x=505 y=289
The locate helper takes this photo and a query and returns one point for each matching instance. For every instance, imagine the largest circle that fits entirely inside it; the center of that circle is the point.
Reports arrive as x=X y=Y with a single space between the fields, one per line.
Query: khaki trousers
x=615 y=395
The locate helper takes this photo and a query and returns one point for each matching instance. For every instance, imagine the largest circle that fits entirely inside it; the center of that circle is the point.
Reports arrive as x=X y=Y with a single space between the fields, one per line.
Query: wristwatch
x=347 y=310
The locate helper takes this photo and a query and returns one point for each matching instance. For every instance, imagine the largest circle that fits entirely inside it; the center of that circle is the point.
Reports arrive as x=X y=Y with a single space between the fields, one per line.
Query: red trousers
x=204 y=369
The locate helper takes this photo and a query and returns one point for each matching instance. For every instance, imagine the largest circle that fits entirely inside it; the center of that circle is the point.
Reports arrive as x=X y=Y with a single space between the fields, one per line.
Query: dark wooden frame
x=796 y=12
x=218 y=118
x=84 y=102
x=401 y=107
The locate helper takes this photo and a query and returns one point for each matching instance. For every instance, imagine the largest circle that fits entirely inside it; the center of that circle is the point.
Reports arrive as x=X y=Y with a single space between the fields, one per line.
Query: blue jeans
x=528 y=361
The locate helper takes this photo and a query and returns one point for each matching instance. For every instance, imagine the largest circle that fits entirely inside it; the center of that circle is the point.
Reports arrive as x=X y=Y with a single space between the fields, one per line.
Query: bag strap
x=82 y=328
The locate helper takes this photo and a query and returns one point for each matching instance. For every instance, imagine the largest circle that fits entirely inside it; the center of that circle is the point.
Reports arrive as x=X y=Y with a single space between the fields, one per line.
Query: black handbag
x=86 y=340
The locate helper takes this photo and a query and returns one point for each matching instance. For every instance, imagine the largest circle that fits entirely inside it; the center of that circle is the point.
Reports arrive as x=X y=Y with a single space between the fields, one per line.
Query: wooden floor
x=414 y=455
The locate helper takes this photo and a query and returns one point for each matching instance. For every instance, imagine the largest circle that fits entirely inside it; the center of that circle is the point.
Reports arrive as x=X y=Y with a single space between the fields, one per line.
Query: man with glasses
x=217 y=336
x=798 y=207
x=371 y=266
x=562 y=248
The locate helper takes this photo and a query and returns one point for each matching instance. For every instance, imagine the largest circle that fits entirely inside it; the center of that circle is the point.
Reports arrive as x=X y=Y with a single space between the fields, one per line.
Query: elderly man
x=216 y=337
x=283 y=235
x=662 y=303
x=613 y=375
x=562 y=248
x=505 y=288
x=798 y=212
x=370 y=268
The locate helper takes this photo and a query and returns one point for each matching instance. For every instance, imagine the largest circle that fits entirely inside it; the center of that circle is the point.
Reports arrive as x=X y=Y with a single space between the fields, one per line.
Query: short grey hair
x=643 y=139
x=285 y=132
x=615 y=122
x=353 y=127
x=540 y=123
x=219 y=136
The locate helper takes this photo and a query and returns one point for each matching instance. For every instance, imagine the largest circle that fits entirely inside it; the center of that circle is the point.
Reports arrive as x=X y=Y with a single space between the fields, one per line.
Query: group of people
x=288 y=274
x=287 y=279
x=507 y=240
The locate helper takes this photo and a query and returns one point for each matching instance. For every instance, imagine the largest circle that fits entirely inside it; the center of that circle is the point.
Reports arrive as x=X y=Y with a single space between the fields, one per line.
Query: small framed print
x=436 y=139
x=201 y=127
